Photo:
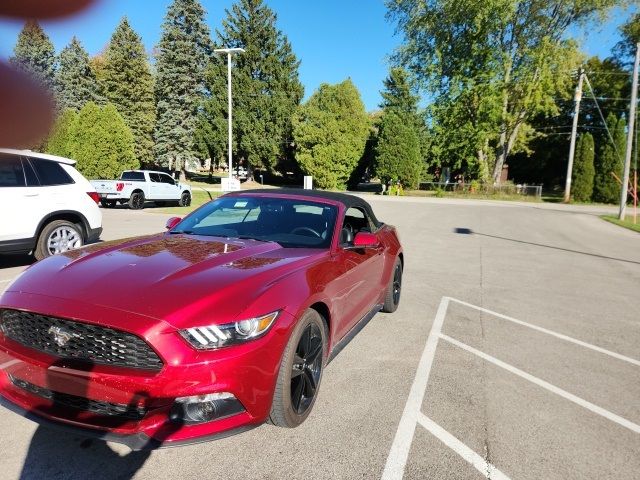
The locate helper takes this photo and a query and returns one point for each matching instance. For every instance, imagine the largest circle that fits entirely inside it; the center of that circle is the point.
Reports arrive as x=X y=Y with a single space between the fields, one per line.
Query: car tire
x=392 y=295
x=62 y=233
x=185 y=199
x=108 y=203
x=136 y=201
x=301 y=368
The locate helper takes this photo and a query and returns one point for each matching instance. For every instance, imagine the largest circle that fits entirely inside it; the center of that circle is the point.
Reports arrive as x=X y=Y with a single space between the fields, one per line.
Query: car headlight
x=218 y=336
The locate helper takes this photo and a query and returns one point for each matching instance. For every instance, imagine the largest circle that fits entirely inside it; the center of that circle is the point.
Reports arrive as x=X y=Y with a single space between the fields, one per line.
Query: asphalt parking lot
x=515 y=353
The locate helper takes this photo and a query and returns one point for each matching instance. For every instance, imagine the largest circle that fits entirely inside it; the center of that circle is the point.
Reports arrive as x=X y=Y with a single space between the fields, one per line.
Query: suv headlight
x=217 y=336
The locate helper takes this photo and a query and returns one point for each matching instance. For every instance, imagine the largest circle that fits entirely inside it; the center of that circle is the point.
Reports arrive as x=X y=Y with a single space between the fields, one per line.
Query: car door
x=156 y=186
x=22 y=208
x=170 y=188
x=358 y=284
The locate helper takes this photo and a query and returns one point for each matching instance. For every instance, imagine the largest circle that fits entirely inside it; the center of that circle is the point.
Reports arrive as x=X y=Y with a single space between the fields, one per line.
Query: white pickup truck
x=138 y=186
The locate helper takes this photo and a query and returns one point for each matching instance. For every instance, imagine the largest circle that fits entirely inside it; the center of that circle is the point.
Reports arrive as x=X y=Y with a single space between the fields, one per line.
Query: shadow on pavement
x=468 y=231
x=9 y=261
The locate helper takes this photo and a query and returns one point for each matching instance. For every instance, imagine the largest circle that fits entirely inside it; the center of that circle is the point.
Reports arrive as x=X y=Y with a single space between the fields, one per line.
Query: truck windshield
x=132 y=176
x=291 y=223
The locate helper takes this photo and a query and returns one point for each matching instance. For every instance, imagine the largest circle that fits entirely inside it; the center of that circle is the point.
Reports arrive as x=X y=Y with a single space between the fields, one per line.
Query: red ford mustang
x=216 y=326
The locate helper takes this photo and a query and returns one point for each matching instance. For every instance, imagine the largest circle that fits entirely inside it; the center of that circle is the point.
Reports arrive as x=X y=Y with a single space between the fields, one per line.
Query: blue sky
x=335 y=39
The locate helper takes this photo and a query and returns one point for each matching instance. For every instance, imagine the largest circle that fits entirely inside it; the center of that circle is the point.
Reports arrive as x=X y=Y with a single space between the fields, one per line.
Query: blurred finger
x=41 y=8
x=26 y=109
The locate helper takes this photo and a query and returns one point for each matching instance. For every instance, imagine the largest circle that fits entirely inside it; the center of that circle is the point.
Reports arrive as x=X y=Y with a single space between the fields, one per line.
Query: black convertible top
x=347 y=200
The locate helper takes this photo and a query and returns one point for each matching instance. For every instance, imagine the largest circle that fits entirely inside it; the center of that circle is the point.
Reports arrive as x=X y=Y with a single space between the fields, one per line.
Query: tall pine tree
x=330 y=133
x=609 y=161
x=75 y=80
x=128 y=84
x=34 y=53
x=398 y=150
x=266 y=89
x=183 y=52
x=583 y=169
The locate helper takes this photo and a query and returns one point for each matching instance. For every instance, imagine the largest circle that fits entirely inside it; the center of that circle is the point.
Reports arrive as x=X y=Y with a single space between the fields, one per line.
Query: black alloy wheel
x=136 y=202
x=392 y=296
x=306 y=369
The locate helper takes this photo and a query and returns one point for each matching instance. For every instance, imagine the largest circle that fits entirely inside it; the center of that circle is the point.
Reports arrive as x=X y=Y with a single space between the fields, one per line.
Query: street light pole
x=229 y=52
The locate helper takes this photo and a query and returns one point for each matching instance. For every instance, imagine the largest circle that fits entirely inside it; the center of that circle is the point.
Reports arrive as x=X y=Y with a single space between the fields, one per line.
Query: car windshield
x=291 y=223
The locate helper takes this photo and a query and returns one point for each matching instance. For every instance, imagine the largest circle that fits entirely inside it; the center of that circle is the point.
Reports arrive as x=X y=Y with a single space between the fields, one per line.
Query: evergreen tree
x=75 y=81
x=183 y=53
x=398 y=151
x=61 y=141
x=101 y=142
x=127 y=83
x=609 y=161
x=34 y=53
x=266 y=89
x=583 y=169
x=330 y=132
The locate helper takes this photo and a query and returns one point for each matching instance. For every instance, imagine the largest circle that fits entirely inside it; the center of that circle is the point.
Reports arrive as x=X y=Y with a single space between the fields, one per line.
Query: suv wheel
x=57 y=237
x=136 y=202
x=185 y=199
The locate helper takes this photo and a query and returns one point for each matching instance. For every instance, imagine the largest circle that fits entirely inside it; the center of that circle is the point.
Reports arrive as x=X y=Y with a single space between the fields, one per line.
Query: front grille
x=78 y=341
x=58 y=399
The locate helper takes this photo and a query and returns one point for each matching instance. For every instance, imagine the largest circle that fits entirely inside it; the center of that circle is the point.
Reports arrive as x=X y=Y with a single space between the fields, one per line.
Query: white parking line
x=411 y=416
x=551 y=332
x=546 y=385
x=479 y=463
x=397 y=459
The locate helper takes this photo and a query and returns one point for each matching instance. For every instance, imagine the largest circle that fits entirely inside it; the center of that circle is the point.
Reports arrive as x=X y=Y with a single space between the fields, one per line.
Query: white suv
x=46 y=205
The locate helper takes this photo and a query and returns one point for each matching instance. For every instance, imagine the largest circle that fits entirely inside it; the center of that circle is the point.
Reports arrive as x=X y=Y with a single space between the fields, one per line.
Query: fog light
x=205 y=408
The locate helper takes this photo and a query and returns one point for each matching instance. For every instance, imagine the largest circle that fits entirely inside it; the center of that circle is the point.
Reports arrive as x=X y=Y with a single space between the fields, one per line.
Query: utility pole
x=632 y=117
x=574 y=130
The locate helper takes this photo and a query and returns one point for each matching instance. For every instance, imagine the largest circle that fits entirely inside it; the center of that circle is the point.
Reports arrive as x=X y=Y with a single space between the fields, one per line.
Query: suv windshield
x=291 y=223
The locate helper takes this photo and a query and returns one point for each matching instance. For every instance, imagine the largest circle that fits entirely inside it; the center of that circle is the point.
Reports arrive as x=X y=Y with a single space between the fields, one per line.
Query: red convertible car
x=216 y=326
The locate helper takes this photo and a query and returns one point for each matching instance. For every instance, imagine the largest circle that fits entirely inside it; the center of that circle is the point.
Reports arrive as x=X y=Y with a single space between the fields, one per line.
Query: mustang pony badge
x=61 y=336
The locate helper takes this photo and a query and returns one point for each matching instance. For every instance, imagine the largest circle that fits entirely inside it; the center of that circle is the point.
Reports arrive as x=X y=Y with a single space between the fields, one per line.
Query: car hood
x=176 y=278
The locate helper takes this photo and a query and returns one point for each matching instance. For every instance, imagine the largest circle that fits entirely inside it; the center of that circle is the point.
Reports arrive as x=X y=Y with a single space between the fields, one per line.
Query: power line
x=615 y=147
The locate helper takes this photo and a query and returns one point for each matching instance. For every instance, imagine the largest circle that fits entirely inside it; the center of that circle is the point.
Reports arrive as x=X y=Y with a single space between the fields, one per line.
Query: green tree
x=398 y=154
x=625 y=49
x=497 y=62
x=583 y=169
x=34 y=53
x=75 y=81
x=183 y=52
x=330 y=132
x=97 y=138
x=609 y=161
x=397 y=151
x=61 y=141
x=266 y=89
x=128 y=84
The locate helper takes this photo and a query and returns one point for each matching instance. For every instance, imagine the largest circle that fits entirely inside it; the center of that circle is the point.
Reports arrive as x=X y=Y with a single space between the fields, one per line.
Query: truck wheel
x=185 y=199
x=136 y=202
x=57 y=237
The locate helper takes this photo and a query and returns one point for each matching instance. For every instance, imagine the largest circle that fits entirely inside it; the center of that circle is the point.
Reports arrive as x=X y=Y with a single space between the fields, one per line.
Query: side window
x=30 y=174
x=357 y=220
x=155 y=177
x=11 y=173
x=167 y=179
x=50 y=173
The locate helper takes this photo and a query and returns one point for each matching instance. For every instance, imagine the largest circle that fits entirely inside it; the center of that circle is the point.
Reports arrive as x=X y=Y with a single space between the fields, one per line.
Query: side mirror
x=172 y=222
x=365 y=240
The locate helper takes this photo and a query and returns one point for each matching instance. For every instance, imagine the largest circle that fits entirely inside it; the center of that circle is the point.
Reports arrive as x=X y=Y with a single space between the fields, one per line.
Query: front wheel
x=136 y=201
x=58 y=236
x=392 y=296
x=185 y=199
x=300 y=372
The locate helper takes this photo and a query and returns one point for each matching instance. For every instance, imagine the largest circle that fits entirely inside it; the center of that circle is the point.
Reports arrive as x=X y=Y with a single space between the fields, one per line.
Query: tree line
x=474 y=86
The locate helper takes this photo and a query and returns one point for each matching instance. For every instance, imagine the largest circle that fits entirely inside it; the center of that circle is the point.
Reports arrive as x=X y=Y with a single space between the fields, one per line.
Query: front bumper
x=247 y=371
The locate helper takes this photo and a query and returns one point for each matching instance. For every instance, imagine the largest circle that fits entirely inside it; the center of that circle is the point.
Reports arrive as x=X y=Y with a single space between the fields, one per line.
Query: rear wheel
x=392 y=297
x=57 y=237
x=185 y=199
x=136 y=201
x=300 y=372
